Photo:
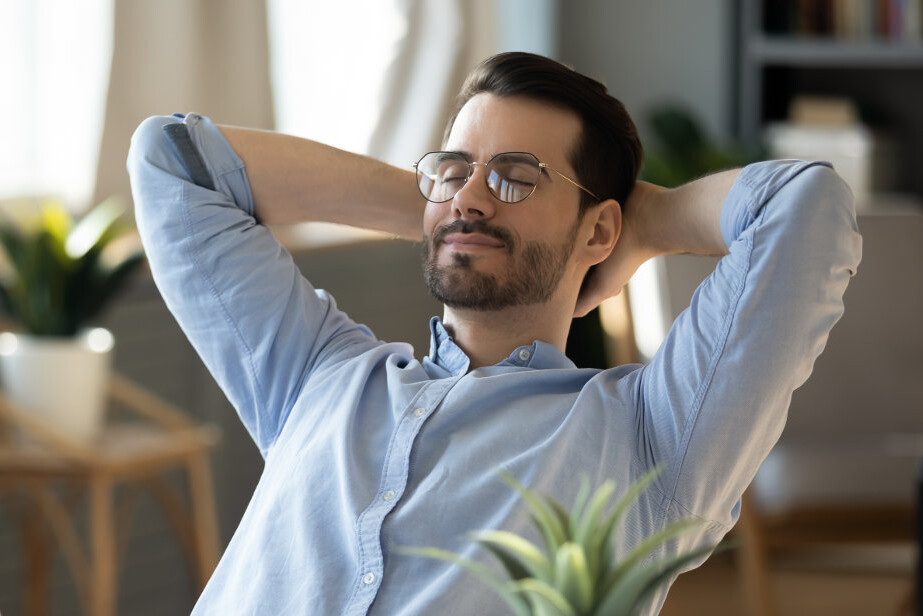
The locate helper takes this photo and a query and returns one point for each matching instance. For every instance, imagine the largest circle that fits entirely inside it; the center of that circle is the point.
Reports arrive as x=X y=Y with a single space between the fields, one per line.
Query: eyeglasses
x=511 y=176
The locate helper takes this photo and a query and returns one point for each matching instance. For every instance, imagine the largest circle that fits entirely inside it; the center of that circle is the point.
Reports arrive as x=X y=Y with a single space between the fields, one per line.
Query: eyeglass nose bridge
x=492 y=187
x=487 y=176
x=472 y=170
x=494 y=180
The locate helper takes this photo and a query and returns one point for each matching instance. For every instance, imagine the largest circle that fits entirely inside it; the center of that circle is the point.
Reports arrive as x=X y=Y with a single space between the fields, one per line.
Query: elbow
x=147 y=142
x=832 y=201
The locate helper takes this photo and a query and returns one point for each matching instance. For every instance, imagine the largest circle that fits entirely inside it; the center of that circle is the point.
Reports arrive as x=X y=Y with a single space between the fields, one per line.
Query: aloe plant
x=58 y=274
x=576 y=573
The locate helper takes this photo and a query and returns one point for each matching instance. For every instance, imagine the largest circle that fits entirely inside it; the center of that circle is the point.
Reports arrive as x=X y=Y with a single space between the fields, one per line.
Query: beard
x=532 y=278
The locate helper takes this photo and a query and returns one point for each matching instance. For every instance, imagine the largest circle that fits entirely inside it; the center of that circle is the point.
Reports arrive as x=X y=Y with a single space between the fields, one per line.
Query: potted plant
x=680 y=150
x=57 y=276
x=575 y=573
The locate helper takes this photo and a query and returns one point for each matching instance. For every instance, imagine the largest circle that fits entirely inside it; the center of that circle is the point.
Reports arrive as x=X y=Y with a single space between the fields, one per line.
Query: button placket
x=394 y=475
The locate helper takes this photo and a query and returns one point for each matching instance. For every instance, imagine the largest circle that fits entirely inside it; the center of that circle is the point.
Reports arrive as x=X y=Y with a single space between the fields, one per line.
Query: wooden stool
x=46 y=475
x=760 y=534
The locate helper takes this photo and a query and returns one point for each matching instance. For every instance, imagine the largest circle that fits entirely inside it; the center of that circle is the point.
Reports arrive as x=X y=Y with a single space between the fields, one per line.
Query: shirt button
x=524 y=355
x=389 y=495
x=368 y=578
x=420 y=412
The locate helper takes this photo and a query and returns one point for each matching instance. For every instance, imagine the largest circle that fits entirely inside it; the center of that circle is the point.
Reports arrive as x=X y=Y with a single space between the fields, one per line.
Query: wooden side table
x=47 y=475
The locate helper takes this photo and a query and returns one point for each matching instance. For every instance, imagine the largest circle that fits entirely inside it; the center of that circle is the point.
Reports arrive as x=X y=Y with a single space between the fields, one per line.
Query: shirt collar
x=447 y=359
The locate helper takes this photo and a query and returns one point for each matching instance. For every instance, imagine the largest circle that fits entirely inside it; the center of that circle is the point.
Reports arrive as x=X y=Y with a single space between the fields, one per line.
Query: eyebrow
x=520 y=156
x=524 y=156
x=446 y=153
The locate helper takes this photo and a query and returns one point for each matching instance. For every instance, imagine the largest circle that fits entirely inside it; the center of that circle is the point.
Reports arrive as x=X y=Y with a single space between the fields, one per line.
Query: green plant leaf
x=91 y=231
x=6 y=302
x=525 y=551
x=549 y=521
x=545 y=599
x=602 y=540
x=634 y=588
x=56 y=221
x=561 y=515
x=56 y=281
x=645 y=547
x=589 y=521
x=108 y=282
x=513 y=566
x=45 y=285
x=579 y=502
x=585 y=534
x=11 y=238
x=506 y=590
x=572 y=577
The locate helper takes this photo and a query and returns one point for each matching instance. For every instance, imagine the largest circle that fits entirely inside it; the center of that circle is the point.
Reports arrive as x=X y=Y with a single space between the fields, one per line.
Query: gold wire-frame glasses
x=511 y=177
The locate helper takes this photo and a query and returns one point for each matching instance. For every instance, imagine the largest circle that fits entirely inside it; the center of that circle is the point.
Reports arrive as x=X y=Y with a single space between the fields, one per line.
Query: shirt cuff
x=217 y=154
x=755 y=185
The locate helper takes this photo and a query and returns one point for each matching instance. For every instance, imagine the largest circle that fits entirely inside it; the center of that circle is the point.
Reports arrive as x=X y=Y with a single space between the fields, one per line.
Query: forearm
x=298 y=180
x=686 y=219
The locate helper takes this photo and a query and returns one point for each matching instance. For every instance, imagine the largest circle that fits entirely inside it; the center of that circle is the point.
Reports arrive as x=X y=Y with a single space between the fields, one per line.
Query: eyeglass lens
x=511 y=176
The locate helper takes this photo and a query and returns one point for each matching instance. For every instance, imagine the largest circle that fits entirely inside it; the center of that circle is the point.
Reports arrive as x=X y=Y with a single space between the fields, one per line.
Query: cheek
x=432 y=217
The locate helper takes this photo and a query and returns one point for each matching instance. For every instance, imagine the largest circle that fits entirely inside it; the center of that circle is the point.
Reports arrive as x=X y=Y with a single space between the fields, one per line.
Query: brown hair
x=608 y=153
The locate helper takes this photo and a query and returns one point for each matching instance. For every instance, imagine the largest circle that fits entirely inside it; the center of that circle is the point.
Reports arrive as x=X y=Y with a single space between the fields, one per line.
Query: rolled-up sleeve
x=259 y=327
x=714 y=399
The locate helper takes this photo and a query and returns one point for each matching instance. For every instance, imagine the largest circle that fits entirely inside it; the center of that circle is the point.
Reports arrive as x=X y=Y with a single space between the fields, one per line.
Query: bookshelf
x=872 y=55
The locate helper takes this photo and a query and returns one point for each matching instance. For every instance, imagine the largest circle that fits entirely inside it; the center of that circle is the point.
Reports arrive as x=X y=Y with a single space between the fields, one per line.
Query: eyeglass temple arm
x=581 y=187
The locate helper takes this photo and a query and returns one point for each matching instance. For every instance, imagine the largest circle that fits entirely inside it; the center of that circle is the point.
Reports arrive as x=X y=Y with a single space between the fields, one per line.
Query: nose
x=474 y=200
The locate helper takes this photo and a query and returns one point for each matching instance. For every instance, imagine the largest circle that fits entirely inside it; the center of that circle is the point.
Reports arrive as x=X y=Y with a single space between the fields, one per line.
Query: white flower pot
x=62 y=380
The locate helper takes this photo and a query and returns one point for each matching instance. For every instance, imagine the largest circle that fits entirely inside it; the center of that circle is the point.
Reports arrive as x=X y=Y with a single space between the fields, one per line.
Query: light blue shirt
x=367 y=447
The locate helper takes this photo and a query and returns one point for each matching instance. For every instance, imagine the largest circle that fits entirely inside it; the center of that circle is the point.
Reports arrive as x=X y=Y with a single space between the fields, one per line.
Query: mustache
x=474 y=226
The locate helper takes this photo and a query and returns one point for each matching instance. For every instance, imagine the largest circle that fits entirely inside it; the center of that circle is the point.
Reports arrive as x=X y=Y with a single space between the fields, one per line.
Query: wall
x=655 y=51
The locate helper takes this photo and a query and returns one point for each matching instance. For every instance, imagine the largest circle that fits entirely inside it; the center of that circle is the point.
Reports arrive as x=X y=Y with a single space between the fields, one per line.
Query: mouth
x=472 y=242
x=473 y=237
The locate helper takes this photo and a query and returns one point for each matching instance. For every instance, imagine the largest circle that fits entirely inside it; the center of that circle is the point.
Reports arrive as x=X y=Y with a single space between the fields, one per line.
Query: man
x=368 y=448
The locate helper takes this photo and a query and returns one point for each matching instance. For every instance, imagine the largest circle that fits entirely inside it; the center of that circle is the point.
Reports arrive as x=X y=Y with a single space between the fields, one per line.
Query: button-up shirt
x=368 y=448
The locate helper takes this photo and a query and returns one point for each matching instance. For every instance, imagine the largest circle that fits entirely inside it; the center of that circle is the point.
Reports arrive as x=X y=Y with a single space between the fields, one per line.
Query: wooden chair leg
x=204 y=518
x=37 y=561
x=102 y=547
x=753 y=562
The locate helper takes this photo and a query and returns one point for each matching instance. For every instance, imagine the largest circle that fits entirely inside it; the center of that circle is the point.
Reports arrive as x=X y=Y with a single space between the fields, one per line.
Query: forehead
x=488 y=125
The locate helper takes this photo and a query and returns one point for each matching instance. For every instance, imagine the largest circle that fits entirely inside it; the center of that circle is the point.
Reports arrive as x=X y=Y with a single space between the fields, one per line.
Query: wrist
x=686 y=219
x=647 y=221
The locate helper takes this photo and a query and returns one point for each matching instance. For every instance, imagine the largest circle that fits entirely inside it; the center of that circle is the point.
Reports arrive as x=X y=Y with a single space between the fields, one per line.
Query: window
x=328 y=67
x=55 y=57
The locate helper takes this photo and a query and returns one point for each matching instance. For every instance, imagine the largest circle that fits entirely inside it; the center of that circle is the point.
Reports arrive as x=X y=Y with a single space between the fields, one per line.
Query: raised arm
x=298 y=180
x=714 y=398
x=659 y=221
x=261 y=329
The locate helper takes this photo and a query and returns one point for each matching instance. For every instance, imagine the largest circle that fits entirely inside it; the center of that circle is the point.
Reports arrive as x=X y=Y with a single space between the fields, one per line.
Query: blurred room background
x=832 y=80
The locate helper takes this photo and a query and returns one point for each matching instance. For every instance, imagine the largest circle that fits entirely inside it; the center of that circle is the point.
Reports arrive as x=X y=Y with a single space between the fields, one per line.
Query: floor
x=844 y=582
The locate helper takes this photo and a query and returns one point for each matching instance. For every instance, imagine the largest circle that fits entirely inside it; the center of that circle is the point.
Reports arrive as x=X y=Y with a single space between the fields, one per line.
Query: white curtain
x=54 y=73
x=379 y=76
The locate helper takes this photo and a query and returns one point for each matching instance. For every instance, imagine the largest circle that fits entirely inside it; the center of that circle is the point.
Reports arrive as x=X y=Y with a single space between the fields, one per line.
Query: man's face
x=480 y=253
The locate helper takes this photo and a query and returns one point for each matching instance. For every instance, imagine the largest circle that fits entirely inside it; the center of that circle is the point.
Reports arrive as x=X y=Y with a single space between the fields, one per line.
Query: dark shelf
x=834 y=53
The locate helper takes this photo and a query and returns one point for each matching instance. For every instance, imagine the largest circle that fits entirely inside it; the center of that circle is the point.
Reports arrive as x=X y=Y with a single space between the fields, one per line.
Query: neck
x=488 y=337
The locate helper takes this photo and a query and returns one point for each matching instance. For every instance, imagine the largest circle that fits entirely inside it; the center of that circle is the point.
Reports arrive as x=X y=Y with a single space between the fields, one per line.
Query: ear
x=602 y=227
